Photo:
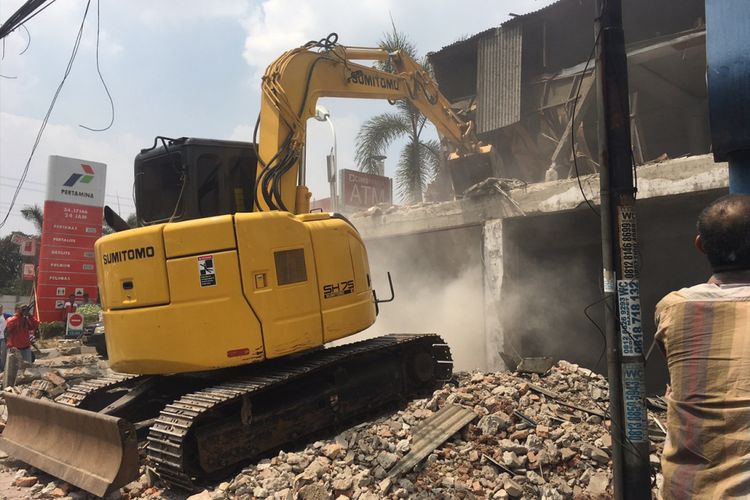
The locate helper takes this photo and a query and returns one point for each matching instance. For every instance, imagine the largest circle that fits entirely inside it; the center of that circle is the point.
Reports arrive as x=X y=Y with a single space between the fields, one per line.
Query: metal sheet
x=728 y=75
x=431 y=433
x=499 y=78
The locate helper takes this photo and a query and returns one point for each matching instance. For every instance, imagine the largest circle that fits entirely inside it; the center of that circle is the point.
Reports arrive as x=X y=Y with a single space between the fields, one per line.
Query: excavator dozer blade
x=96 y=452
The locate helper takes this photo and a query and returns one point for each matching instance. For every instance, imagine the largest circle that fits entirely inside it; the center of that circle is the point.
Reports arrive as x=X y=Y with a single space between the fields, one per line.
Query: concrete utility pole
x=625 y=361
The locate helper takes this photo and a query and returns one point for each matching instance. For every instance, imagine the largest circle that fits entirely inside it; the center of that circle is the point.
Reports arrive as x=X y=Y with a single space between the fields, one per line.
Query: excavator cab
x=191 y=178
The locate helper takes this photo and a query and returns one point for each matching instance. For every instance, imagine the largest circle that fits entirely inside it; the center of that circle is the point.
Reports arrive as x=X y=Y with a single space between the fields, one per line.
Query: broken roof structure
x=529 y=84
x=520 y=267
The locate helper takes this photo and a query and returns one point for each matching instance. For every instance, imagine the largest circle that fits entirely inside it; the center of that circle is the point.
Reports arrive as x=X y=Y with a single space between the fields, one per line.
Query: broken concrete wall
x=437 y=277
x=552 y=278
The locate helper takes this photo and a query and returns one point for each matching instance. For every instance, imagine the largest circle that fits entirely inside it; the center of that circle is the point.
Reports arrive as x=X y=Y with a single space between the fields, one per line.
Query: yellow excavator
x=217 y=308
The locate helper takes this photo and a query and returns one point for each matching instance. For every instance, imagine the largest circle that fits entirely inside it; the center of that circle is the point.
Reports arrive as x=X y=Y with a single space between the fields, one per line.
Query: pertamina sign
x=361 y=190
x=72 y=223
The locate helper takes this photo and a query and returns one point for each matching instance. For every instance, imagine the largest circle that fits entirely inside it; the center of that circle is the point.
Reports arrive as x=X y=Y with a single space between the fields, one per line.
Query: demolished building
x=529 y=257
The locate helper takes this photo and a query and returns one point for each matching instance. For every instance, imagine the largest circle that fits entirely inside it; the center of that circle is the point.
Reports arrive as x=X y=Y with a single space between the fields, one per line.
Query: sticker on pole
x=206 y=270
x=629 y=306
x=633 y=391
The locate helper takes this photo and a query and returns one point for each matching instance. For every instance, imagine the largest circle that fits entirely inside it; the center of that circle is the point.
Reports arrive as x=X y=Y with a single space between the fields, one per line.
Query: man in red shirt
x=19 y=332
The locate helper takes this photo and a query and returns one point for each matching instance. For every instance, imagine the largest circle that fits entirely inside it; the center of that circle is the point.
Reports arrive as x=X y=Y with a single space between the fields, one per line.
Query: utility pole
x=625 y=361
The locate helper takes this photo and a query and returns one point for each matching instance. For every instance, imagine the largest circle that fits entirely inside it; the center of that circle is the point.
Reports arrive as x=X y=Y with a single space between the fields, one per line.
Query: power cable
x=23 y=14
x=28 y=43
x=573 y=120
x=101 y=78
x=69 y=67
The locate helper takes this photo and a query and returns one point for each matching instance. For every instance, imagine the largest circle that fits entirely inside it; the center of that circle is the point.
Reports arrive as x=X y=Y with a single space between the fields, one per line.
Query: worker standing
x=705 y=333
x=19 y=332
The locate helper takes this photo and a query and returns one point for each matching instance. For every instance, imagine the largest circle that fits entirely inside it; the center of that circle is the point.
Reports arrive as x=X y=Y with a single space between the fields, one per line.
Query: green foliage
x=51 y=329
x=419 y=159
x=90 y=313
x=10 y=267
x=34 y=214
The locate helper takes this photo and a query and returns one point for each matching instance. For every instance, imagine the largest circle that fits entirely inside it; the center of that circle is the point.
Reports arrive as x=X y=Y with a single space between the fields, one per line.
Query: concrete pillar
x=492 y=256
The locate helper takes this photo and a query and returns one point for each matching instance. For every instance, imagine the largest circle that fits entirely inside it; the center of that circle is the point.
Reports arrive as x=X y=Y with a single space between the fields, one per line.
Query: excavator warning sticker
x=206 y=270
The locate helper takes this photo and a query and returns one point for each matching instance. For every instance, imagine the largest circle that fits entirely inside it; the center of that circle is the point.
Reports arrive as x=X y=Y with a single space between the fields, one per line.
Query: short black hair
x=724 y=228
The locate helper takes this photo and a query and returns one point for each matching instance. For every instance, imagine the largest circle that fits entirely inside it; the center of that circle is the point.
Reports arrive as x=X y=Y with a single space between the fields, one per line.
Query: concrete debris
x=500 y=455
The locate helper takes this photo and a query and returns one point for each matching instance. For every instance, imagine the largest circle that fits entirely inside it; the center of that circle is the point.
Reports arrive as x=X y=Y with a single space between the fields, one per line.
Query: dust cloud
x=438 y=283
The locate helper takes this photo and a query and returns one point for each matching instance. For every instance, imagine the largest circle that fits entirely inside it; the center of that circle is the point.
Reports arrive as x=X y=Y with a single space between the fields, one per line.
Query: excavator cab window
x=241 y=183
x=209 y=194
x=191 y=178
x=158 y=188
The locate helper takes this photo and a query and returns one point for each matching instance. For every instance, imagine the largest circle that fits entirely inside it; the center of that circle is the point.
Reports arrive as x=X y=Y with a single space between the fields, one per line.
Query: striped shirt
x=705 y=330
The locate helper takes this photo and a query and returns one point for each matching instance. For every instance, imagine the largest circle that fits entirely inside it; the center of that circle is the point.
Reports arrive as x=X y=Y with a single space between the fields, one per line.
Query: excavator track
x=80 y=395
x=206 y=433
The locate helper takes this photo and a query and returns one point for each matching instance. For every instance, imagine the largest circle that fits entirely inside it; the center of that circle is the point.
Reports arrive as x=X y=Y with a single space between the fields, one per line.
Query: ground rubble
x=533 y=437
x=523 y=444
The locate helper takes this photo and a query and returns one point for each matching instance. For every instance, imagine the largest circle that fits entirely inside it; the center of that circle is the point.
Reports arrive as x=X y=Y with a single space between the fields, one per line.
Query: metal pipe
x=610 y=320
x=626 y=370
x=333 y=180
x=739 y=172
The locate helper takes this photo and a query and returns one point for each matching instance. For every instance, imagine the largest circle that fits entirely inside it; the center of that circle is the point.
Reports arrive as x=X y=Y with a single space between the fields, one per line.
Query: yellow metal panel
x=194 y=236
x=204 y=328
x=131 y=269
x=289 y=313
x=344 y=291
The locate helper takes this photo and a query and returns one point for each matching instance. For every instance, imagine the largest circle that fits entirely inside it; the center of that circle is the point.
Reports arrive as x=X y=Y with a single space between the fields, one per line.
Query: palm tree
x=34 y=214
x=419 y=158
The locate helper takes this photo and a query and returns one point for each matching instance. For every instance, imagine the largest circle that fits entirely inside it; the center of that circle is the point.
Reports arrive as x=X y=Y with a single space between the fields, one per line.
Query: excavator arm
x=296 y=80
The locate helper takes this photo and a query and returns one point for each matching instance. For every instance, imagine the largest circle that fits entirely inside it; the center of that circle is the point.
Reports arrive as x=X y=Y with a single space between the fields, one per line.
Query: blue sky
x=189 y=68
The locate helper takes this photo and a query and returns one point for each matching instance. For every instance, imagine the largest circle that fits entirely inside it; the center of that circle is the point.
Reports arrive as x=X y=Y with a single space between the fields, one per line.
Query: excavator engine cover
x=48 y=436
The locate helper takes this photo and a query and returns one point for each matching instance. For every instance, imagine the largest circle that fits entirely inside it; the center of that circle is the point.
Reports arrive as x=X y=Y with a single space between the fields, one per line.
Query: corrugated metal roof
x=536 y=12
x=470 y=39
x=499 y=79
x=489 y=31
x=431 y=433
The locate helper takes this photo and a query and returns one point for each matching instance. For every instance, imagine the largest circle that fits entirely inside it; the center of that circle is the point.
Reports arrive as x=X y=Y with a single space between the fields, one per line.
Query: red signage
x=28 y=248
x=75 y=320
x=363 y=190
x=72 y=223
x=28 y=272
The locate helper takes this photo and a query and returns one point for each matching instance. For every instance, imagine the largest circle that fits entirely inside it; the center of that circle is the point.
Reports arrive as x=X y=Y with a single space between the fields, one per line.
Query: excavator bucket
x=469 y=169
x=96 y=452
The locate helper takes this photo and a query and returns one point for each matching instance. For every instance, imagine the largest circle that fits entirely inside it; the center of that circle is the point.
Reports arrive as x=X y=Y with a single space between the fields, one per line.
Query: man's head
x=724 y=233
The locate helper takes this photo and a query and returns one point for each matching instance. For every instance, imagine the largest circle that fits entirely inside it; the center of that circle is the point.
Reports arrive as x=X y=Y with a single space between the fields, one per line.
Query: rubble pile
x=60 y=369
x=533 y=437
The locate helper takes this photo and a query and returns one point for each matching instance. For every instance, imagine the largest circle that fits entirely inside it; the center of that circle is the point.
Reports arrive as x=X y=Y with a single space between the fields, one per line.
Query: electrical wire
x=573 y=120
x=598 y=328
x=23 y=14
x=28 y=43
x=101 y=78
x=69 y=67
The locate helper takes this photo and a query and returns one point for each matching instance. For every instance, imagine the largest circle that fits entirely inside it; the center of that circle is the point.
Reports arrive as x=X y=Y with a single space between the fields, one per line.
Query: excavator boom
x=296 y=80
